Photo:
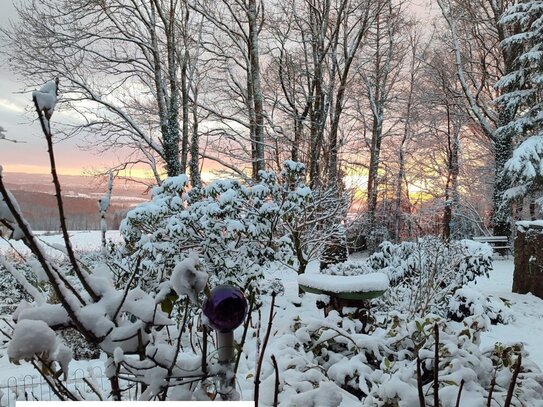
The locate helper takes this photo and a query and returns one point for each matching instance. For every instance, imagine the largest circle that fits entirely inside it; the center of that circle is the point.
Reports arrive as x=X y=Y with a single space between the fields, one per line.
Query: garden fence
x=35 y=388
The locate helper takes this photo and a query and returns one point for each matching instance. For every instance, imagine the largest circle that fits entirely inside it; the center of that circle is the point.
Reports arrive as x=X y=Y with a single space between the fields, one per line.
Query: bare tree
x=448 y=117
x=232 y=35
x=380 y=73
x=475 y=37
x=123 y=66
x=417 y=48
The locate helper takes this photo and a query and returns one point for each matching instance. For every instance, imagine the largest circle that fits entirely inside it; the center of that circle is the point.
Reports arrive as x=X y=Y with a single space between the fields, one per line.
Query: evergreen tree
x=522 y=99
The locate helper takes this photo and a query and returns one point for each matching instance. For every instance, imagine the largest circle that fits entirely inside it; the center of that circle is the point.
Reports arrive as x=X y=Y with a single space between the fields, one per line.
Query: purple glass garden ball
x=225 y=308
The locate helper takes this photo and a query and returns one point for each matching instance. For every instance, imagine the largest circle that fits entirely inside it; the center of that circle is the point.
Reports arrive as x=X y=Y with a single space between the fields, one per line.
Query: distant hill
x=35 y=195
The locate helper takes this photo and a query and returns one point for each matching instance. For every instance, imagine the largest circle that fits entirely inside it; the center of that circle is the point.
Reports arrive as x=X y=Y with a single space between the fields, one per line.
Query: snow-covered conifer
x=522 y=91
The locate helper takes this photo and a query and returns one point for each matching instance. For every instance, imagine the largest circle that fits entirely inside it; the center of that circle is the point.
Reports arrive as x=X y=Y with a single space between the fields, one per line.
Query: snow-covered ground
x=527 y=310
x=85 y=240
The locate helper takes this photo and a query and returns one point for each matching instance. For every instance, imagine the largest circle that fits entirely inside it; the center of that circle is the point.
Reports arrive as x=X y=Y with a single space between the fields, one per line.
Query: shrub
x=381 y=369
x=424 y=275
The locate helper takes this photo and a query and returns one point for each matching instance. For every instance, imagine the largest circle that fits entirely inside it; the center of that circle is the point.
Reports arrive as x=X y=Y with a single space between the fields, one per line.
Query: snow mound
x=30 y=338
x=340 y=284
x=187 y=280
x=46 y=98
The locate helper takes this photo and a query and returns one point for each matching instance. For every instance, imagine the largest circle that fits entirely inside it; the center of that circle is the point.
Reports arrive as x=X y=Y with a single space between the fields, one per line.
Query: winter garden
x=275 y=281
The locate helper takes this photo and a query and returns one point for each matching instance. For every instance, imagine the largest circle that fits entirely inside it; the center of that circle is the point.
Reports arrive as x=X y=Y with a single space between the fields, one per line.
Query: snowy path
x=527 y=310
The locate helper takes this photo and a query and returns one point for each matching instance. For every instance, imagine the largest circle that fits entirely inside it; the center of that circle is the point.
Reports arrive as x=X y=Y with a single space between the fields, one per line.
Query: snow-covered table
x=345 y=291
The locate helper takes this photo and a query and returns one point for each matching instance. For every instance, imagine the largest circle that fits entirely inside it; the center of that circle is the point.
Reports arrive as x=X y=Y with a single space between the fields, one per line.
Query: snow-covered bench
x=499 y=243
x=345 y=291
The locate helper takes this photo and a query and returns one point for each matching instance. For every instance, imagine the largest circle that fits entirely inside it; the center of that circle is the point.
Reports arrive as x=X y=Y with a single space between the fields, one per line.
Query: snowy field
x=527 y=310
x=86 y=240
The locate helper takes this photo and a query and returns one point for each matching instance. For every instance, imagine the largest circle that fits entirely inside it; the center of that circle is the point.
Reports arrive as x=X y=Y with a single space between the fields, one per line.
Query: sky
x=16 y=117
x=30 y=153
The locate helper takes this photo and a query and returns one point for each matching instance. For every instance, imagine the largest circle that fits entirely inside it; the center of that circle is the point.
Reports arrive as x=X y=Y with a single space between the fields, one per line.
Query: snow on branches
x=46 y=98
x=237 y=229
x=521 y=98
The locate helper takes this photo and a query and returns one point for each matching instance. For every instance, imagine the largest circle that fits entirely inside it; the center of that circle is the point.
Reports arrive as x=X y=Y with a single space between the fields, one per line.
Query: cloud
x=11 y=106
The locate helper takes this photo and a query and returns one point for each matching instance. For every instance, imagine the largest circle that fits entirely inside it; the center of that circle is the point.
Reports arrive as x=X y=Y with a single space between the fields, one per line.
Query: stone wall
x=528 y=276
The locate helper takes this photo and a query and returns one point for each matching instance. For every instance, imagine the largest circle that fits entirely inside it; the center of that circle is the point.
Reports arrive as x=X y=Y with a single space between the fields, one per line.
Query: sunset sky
x=30 y=155
x=18 y=119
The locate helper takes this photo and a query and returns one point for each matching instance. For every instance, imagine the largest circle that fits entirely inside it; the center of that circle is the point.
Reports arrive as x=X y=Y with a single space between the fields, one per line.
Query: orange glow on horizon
x=39 y=169
x=139 y=173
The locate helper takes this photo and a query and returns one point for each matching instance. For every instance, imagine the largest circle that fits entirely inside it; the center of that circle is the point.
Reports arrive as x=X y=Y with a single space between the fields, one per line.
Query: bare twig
x=459 y=393
x=245 y=329
x=422 y=403
x=491 y=390
x=71 y=255
x=276 y=388
x=52 y=274
x=263 y=350
x=513 y=382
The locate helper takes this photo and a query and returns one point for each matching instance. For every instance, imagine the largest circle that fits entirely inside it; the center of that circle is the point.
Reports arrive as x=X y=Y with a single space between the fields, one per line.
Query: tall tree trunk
x=185 y=108
x=399 y=191
x=256 y=88
x=319 y=22
x=501 y=217
x=451 y=186
x=194 y=167
x=167 y=106
x=373 y=182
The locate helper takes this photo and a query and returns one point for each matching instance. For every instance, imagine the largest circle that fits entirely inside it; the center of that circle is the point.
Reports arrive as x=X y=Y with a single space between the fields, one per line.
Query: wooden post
x=528 y=276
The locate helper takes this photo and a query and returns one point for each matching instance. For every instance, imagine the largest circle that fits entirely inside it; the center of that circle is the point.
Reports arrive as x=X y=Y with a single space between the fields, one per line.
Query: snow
x=46 y=97
x=51 y=314
x=527 y=311
x=30 y=289
x=6 y=215
x=301 y=381
x=82 y=241
x=339 y=284
x=187 y=279
x=530 y=224
x=30 y=338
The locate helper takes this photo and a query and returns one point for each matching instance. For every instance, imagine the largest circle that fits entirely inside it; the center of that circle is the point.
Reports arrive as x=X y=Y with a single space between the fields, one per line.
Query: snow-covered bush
x=425 y=274
x=468 y=301
x=331 y=357
x=12 y=292
x=144 y=346
x=331 y=361
x=238 y=230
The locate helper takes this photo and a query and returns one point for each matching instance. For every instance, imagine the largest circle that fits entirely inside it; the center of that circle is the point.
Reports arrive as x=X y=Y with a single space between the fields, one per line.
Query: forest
x=412 y=111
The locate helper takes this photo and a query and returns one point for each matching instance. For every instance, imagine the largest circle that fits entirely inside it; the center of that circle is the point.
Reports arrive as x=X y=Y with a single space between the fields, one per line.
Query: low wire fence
x=83 y=382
